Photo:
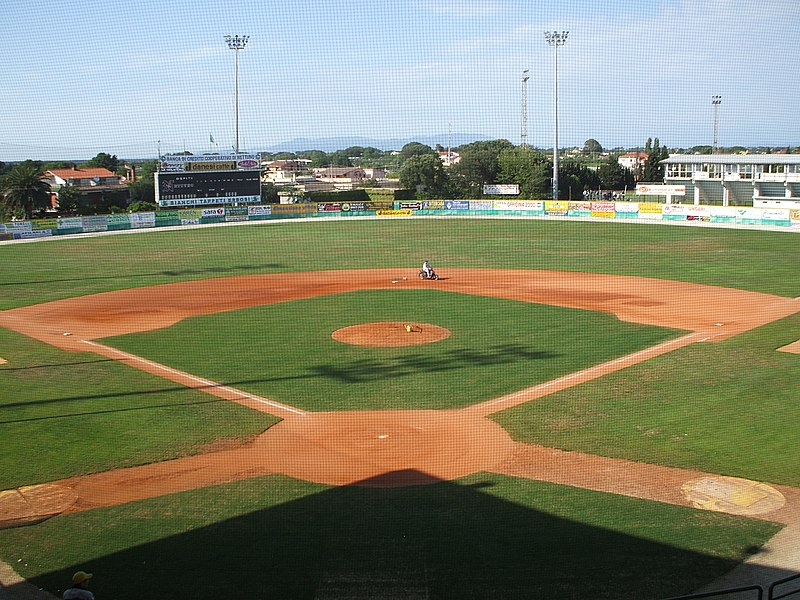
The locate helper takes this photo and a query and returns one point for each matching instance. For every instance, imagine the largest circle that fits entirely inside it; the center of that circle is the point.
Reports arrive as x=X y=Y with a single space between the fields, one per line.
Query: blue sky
x=85 y=76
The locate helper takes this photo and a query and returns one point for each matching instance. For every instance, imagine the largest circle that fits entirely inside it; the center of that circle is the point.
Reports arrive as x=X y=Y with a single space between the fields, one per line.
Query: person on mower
x=427 y=269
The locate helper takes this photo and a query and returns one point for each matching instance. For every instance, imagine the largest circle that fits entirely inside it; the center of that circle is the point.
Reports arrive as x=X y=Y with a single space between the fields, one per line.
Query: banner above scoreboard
x=176 y=163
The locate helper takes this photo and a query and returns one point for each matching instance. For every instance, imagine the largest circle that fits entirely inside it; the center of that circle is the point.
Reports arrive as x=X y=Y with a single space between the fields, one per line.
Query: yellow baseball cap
x=80 y=577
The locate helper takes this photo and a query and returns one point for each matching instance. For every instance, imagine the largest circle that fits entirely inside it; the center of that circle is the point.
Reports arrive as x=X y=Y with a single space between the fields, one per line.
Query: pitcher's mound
x=33 y=503
x=390 y=334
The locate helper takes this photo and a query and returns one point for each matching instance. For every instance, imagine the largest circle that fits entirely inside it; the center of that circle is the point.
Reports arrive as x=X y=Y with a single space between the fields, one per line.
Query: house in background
x=633 y=161
x=97 y=186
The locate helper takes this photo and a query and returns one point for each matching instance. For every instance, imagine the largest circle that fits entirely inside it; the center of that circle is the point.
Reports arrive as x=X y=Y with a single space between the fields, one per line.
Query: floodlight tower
x=236 y=43
x=555 y=39
x=715 y=102
x=523 y=136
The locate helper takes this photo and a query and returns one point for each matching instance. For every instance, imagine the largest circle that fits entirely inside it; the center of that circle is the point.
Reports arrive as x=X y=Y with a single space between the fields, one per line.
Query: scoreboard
x=206 y=181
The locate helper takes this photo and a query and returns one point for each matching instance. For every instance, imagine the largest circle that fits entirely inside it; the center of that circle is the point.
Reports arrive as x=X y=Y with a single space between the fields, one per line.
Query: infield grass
x=62 y=268
x=284 y=351
x=477 y=537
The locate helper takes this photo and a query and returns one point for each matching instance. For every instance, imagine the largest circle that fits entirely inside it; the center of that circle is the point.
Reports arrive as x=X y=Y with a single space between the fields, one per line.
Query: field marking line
x=566 y=381
x=205 y=385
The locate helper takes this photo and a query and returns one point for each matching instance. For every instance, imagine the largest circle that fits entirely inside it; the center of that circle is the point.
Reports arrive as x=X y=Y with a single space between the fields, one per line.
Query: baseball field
x=284 y=410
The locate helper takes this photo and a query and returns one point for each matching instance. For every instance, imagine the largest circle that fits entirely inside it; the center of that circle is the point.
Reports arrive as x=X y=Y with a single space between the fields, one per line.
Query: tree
x=24 y=190
x=415 y=149
x=425 y=173
x=653 y=169
x=69 y=200
x=269 y=193
x=478 y=165
x=614 y=176
x=106 y=161
x=528 y=168
x=592 y=146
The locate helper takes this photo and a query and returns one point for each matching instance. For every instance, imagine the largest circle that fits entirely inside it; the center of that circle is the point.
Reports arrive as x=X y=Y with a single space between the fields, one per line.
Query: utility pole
x=555 y=39
x=523 y=136
x=236 y=43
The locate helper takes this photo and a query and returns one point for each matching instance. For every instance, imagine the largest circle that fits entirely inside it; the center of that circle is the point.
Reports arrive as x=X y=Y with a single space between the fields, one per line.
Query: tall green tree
x=653 y=169
x=415 y=149
x=592 y=146
x=23 y=190
x=478 y=165
x=614 y=176
x=424 y=173
x=528 y=168
x=104 y=160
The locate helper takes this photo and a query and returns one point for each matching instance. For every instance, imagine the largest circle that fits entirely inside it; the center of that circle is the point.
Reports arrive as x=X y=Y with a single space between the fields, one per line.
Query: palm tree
x=23 y=190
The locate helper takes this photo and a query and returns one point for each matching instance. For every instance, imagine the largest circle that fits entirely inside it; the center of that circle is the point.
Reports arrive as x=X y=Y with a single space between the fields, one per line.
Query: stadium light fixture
x=236 y=43
x=715 y=102
x=555 y=39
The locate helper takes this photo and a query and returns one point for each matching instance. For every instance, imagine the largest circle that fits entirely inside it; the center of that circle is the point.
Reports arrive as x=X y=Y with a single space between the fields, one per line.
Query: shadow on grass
x=168 y=273
x=356 y=371
x=444 y=540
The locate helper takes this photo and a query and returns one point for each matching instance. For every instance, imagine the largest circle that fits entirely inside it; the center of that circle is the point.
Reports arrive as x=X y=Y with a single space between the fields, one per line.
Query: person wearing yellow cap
x=79 y=589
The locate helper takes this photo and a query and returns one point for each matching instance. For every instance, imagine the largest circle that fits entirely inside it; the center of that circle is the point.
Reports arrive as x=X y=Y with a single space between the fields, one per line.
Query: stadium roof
x=734 y=159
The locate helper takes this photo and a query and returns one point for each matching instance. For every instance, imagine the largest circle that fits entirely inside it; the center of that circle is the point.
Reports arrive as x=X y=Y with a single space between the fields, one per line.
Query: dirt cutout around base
x=793 y=348
x=390 y=334
x=33 y=503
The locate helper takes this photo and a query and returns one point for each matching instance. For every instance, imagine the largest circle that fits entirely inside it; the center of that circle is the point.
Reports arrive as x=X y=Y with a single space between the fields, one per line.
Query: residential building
x=97 y=186
x=633 y=161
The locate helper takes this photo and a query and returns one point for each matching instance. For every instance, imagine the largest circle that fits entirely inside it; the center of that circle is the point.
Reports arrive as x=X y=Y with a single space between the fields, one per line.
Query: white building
x=736 y=179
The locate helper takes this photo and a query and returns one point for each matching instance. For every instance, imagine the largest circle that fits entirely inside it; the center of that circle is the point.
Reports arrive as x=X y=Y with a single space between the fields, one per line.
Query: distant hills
x=332 y=144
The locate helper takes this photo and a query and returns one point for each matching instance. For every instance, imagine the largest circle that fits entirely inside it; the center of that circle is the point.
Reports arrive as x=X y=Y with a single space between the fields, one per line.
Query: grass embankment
x=285 y=352
x=481 y=536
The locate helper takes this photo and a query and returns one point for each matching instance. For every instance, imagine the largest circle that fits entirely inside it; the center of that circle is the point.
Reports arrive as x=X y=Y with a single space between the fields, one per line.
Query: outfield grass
x=728 y=408
x=284 y=351
x=64 y=414
x=753 y=260
x=479 y=537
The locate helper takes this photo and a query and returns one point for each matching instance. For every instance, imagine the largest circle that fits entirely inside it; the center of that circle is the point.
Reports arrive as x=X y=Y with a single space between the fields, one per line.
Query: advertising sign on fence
x=501 y=189
x=94 y=223
x=119 y=221
x=45 y=224
x=481 y=205
x=526 y=205
x=606 y=210
x=395 y=213
x=143 y=220
x=579 y=209
x=409 y=205
x=212 y=213
x=259 y=211
x=433 y=205
x=457 y=205
x=354 y=206
x=329 y=207
x=70 y=223
x=556 y=208
x=24 y=234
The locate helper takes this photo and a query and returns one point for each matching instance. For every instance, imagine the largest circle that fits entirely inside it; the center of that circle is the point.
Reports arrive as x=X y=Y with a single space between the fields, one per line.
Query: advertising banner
x=526 y=205
x=579 y=209
x=329 y=207
x=167 y=215
x=6 y=236
x=19 y=226
x=556 y=208
x=650 y=189
x=142 y=220
x=650 y=207
x=395 y=213
x=24 y=234
x=354 y=206
x=294 y=209
x=794 y=214
x=70 y=223
x=209 y=162
x=94 y=223
x=212 y=213
x=481 y=205
x=380 y=205
x=433 y=205
x=259 y=211
x=118 y=221
x=774 y=214
x=45 y=224
x=409 y=205
x=605 y=210
x=190 y=213
x=210 y=166
x=235 y=213
x=626 y=207
x=501 y=189
x=456 y=205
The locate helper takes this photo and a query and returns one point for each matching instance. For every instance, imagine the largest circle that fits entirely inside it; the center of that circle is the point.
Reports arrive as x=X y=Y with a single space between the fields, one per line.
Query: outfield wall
x=601 y=210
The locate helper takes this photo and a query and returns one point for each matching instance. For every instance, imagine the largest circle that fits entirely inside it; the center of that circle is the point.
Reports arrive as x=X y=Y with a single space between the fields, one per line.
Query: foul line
x=206 y=385
x=566 y=381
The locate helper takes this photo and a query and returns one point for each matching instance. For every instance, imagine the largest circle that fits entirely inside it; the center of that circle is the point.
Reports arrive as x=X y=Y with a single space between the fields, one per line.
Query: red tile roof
x=89 y=173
